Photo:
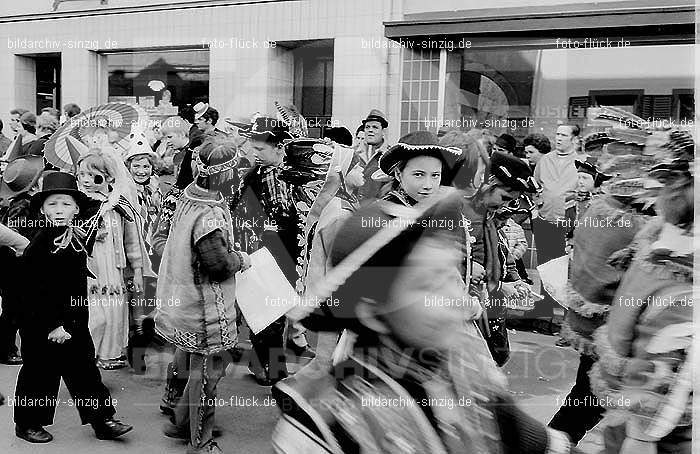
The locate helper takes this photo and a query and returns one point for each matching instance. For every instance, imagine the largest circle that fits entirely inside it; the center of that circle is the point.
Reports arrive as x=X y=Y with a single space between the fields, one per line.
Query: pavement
x=540 y=375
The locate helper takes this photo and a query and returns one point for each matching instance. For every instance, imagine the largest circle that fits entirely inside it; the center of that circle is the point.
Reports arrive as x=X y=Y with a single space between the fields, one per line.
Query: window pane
x=415 y=71
x=185 y=75
x=425 y=91
x=425 y=70
x=406 y=91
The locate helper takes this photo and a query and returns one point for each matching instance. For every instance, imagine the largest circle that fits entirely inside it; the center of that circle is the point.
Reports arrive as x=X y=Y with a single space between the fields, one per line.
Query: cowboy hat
x=264 y=127
x=418 y=143
x=513 y=172
x=589 y=166
x=21 y=175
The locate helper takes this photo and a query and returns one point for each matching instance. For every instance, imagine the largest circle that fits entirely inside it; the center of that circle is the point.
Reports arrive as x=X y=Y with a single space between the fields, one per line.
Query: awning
x=642 y=22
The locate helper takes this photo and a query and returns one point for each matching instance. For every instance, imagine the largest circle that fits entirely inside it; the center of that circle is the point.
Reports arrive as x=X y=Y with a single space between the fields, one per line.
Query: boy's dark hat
x=507 y=142
x=20 y=175
x=263 y=127
x=59 y=183
x=376 y=115
x=589 y=166
x=513 y=172
x=418 y=143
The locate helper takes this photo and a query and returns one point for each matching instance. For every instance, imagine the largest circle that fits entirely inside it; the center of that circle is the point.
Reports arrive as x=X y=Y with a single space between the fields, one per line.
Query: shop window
x=159 y=81
x=419 y=93
x=490 y=89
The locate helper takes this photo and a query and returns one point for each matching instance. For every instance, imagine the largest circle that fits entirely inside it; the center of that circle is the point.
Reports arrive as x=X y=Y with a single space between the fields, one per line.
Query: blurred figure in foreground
x=397 y=285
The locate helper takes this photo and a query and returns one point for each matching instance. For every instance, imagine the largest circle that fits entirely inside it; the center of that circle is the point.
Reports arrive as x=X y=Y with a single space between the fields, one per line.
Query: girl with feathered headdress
x=119 y=252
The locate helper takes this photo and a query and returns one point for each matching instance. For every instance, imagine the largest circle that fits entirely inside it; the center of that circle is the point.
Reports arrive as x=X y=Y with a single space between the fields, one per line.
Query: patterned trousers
x=196 y=407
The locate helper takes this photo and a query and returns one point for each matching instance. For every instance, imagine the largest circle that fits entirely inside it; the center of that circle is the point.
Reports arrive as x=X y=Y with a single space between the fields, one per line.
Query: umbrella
x=116 y=117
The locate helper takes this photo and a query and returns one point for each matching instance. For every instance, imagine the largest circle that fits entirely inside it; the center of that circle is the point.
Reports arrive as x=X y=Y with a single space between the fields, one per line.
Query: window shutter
x=657 y=107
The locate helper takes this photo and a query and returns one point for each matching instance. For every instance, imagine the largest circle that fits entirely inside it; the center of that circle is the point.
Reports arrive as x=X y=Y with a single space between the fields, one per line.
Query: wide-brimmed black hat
x=507 y=142
x=20 y=175
x=376 y=115
x=590 y=167
x=513 y=172
x=418 y=143
x=263 y=128
x=58 y=183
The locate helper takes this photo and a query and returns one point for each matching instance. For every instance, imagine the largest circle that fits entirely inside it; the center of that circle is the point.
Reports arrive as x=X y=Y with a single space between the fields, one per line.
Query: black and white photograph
x=348 y=227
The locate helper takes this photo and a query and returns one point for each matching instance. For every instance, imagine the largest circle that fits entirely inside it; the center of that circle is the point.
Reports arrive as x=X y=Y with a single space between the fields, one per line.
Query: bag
x=496 y=335
x=492 y=325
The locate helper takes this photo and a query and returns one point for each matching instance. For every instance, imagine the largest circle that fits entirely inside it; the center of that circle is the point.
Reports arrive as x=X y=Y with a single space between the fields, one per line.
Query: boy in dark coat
x=56 y=341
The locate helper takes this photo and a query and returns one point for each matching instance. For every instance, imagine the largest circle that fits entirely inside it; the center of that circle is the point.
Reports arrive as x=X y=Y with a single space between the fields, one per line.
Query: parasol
x=114 y=120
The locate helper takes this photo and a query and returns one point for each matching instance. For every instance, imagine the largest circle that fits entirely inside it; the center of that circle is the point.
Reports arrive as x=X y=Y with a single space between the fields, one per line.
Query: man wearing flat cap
x=370 y=151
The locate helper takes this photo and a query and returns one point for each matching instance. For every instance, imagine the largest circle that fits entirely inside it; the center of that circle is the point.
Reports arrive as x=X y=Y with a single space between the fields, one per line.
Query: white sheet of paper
x=263 y=292
x=554 y=275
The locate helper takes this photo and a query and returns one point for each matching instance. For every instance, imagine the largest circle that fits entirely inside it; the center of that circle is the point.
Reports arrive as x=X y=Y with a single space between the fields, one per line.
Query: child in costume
x=198 y=278
x=142 y=162
x=119 y=252
x=56 y=341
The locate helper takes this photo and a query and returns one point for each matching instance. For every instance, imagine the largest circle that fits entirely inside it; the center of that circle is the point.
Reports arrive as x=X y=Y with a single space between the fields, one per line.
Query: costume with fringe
x=645 y=364
x=608 y=226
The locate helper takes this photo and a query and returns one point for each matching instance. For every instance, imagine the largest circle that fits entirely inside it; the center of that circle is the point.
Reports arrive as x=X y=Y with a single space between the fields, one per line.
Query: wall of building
x=242 y=80
x=420 y=6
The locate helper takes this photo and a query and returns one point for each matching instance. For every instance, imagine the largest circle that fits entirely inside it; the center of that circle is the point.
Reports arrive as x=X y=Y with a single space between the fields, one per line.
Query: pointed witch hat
x=76 y=149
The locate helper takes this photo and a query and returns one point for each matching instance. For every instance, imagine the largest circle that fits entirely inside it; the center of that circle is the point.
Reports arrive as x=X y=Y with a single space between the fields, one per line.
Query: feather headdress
x=291 y=116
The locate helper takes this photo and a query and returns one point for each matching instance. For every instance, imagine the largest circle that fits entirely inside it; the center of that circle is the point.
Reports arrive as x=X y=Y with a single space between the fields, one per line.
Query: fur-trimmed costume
x=645 y=361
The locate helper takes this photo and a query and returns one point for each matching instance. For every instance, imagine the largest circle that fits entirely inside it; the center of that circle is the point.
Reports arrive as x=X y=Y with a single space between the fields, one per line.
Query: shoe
x=167 y=411
x=179 y=433
x=12 y=360
x=33 y=434
x=109 y=429
x=301 y=352
x=264 y=379
x=210 y=448
x=562 y=343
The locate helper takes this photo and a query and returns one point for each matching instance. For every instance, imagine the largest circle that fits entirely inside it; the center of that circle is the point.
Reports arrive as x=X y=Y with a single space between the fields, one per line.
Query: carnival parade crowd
x=119 y=232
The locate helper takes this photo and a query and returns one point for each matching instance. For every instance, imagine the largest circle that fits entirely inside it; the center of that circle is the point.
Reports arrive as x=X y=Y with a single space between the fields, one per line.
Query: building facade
x=518 y=66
